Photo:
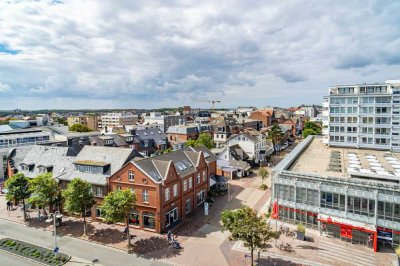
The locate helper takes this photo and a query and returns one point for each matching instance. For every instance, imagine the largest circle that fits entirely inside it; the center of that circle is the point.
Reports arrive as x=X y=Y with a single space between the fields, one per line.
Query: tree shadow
x=74 y=228
x=155 y=247
x=108 y=236
x=307 y=247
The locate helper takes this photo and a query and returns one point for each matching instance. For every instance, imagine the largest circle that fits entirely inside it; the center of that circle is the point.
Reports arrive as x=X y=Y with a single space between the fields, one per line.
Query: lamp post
x=53 y=217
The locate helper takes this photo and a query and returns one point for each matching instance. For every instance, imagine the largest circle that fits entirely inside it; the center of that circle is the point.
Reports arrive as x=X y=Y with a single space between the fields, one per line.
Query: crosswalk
x=345 y=255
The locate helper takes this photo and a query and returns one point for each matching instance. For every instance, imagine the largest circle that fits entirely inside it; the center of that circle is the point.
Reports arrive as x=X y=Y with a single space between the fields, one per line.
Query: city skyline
x=108 y=54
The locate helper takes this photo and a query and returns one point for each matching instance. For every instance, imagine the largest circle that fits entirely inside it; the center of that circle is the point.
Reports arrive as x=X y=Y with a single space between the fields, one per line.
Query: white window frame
x=190 y=182
x=198 y=178
x=167 y=195
x=99 y=189
x=185 y=185
x=204 y=175
x=131 y=176
x=175 y=190
x=145 y=196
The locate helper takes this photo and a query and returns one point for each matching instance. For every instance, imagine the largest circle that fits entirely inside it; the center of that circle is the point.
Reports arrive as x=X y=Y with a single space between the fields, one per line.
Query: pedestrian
x=8 y=205
x=169 y=236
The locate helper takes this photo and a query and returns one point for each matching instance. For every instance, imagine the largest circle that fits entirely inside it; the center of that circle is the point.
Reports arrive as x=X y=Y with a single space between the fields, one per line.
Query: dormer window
x=108 y=141
x=129 y=138
x=42 y=169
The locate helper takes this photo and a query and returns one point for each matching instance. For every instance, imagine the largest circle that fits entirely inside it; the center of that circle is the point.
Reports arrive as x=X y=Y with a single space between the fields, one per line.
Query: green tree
x=44 y=191
x=117 y=206
x=62 y=121
x=205 y=140
x=79 y=128
x=263 y=173
x=190 y=143
x=309 y=131
x=79 y=198
x=18 y=189
x=275 y=134
x=313 y=126
x=244 y=224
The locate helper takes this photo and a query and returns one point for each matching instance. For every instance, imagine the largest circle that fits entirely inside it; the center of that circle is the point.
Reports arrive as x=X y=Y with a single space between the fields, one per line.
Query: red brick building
x=168 y=187
x=263 y=115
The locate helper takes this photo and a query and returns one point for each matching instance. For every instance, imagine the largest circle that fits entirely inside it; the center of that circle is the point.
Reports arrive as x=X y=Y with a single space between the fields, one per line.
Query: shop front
x=350 y=231
x=298 y=216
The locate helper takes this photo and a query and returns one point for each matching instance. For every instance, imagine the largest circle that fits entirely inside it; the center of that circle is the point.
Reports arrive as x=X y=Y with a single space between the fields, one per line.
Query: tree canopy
x=244 y=224
x=263 y=173
x=44 y=190
x=275 y=134
x=117 y=206
x=79 y=128
x=313 y=126
x=18 y=189
x=204 y=140
x=79 y=198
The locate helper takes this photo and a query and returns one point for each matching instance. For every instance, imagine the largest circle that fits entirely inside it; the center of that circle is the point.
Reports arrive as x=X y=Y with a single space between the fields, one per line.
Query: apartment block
x=90 y=121
x=364 y=116
x=118 y=119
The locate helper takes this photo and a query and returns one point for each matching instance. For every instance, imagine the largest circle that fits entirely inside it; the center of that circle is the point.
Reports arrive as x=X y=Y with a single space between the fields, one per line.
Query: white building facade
x=118 y=119
x=364 y=116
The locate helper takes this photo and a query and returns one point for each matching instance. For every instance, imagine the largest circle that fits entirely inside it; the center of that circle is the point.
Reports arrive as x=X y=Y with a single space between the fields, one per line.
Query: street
x=75 y=247
x=8 y=259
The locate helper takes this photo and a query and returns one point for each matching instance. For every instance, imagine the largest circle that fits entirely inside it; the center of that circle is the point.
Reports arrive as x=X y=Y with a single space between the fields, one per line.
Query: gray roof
x=116 y=157
x=208 y=155
x=185 y=163
x=55 y=159
x=155 y=134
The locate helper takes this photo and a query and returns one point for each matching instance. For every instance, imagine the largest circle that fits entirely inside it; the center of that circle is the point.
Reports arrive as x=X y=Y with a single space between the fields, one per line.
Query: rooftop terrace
x=318 y=158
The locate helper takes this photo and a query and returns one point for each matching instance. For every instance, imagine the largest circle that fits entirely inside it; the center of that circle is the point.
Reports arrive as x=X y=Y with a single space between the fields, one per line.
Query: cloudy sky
x=147 y=54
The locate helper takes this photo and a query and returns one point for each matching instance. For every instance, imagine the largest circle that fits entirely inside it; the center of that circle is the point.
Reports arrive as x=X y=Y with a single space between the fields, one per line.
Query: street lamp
x=53 y=217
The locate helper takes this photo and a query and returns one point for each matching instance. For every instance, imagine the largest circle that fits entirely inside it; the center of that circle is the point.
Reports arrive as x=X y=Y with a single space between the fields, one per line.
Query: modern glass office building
x=338 y=191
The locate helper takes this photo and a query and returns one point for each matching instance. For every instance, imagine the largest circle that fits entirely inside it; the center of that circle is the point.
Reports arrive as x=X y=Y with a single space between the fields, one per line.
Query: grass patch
x=40 y=254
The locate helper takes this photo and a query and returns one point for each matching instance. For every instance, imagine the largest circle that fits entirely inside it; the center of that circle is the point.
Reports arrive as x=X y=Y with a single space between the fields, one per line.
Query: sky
x=80 y=54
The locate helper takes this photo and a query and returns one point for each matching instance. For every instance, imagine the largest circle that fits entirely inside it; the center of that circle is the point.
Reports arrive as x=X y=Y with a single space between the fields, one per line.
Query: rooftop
x=317 y=158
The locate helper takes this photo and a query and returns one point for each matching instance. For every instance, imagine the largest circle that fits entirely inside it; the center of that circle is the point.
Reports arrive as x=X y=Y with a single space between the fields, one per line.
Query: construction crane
x=213 y=102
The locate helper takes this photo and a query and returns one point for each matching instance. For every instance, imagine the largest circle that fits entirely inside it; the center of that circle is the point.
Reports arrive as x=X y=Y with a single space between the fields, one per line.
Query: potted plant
x=301 y=231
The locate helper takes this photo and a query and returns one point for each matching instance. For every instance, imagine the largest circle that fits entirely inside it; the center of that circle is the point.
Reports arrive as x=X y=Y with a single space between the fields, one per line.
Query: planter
x=300 y=235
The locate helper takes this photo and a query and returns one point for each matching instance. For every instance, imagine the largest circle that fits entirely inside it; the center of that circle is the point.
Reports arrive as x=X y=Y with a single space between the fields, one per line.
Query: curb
x=19 y=256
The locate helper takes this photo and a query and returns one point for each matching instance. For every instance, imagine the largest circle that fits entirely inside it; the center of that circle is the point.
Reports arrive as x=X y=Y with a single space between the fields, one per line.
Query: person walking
x=8 y=206
x=169 y=236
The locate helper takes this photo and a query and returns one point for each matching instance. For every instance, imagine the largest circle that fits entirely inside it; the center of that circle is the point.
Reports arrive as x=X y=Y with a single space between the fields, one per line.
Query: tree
x=79 y=198
x=44 y=191
x=190 y=143
x=275 y=134
x=79 y=128
x=117 y=206
x=308 y=132
x=313 y=126
x=263 y=173
x=18 y=189
x=62 y=121
x=205 y=140
x=244 y=224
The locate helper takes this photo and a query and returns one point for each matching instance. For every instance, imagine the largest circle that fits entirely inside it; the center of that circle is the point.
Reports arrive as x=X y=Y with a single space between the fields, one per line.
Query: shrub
x=263 y=187
x=301 y=228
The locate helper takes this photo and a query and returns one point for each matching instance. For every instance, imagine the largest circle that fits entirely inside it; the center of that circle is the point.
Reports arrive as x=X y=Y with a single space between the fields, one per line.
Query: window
x=145 y=196
x=188 y=206
x=167 y=194
x=361 y=206
x=198 y=178
x=98 y=212
x=99 y=191
x=201 y=197
x=175 y=190
x=118 y=187
x=204 y=175
x=131 y=176
x=185 y=185
x=190 y=182
x=134 y=218
x=149 y=220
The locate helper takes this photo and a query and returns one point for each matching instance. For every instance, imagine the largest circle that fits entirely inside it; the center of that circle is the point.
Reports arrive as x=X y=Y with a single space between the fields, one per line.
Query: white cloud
x=4 y=87
x=143 y=54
